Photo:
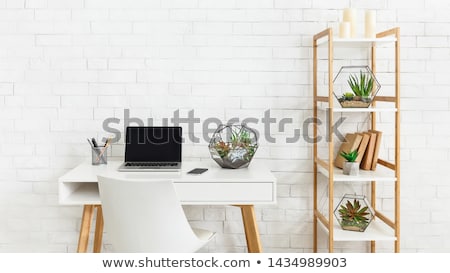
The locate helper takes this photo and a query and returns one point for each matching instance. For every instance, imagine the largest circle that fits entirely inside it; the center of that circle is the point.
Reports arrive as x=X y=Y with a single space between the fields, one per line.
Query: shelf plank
x=376 y=231
x=357 y=42
x=364 y=110
x=381 y=174
x=323 y=107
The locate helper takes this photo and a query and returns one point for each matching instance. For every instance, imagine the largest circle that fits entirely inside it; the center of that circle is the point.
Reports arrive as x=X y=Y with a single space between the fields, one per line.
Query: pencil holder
x=99 y=155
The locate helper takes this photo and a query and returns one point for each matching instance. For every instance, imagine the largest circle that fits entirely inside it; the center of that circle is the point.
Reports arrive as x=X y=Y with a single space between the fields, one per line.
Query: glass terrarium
x=354 y=212
x=233 y=146
x=355 y=86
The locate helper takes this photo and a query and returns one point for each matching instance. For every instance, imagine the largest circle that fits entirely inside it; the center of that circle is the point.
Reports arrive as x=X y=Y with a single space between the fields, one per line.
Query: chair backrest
x=145 y=216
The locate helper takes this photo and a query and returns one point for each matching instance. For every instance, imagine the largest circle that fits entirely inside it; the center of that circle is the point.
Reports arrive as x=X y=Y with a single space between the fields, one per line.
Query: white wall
x=67 y=65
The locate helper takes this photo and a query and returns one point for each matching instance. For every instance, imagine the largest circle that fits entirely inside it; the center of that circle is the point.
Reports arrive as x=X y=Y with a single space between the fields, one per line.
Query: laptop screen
x=153 y=144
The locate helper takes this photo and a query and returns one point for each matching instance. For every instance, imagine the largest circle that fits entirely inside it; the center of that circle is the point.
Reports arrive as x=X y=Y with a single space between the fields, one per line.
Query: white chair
x=146 y=216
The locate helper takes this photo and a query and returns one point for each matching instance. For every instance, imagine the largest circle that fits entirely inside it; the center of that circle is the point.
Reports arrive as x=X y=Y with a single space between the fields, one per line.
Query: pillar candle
x=350 y=16
x=370 y=23
x=344 y=30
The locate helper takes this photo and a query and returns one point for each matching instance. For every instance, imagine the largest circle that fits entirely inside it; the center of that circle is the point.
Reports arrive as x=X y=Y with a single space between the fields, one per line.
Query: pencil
x=103 y=150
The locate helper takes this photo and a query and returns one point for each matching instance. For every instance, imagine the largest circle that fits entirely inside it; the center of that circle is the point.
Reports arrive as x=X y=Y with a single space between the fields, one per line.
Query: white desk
x=239 y=187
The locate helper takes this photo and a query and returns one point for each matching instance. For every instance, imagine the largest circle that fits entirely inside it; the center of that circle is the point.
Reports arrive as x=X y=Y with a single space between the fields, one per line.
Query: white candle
x=344 y=30
x=370 y=24
x=350 y=16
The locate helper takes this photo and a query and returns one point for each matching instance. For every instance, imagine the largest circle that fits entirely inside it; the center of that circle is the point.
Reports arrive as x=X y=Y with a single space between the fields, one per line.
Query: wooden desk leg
x=98 y=230
x=86 y=220
x=251 y=229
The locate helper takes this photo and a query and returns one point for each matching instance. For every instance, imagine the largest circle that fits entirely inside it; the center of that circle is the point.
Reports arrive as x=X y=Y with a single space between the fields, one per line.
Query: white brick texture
x=67 y=65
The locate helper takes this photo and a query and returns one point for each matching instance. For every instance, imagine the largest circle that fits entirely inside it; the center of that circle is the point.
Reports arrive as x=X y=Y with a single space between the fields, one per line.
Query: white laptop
x=152 y=148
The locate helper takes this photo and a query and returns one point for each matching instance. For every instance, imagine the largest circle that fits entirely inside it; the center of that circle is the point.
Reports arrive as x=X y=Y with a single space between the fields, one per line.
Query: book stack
x=368 y=146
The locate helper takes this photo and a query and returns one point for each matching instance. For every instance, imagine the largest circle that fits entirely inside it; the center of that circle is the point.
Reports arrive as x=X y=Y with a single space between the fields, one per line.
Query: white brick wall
x=65 y=66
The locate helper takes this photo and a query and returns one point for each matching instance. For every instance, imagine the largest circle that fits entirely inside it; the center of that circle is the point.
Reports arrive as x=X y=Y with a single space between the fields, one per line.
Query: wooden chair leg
x=98 y=230
x=251 y=229
x=86 y=220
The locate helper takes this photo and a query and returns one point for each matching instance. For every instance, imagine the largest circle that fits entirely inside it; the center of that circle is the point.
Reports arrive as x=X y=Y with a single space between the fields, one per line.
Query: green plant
x=348 y=96
x=361 y=86
x=353 y=214
x=239 y=139
x=222 y=148
x=350 y=156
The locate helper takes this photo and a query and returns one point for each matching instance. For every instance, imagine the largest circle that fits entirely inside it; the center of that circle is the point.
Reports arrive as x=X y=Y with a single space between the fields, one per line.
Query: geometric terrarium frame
x=354 y=212
x=355 y=86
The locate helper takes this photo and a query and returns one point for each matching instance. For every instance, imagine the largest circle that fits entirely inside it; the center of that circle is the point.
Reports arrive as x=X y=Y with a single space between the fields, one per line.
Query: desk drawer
x=226 y=193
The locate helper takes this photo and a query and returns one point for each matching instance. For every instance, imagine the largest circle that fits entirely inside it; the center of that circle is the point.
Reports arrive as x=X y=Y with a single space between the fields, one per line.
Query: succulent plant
x=350 y=156
x=222 y=148
x=348 y=95
x=353 y=214
x=361 y=86
x=240 y=138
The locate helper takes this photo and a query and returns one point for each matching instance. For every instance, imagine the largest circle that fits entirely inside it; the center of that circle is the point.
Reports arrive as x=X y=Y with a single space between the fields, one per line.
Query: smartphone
x=197 y=171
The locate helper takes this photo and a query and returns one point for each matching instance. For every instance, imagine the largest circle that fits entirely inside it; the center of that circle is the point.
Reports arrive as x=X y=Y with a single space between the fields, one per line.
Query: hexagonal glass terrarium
x=233 y=146
x=355 y=86
x=354 y=212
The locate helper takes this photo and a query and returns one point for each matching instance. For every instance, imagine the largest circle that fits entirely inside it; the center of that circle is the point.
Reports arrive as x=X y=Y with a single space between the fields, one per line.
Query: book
x=366 y=162
x=350 y=143
x=377 y=149
x=363 y=146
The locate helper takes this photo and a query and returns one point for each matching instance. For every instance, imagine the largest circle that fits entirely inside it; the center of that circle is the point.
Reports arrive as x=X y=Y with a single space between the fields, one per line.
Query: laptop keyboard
x=150 y=164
